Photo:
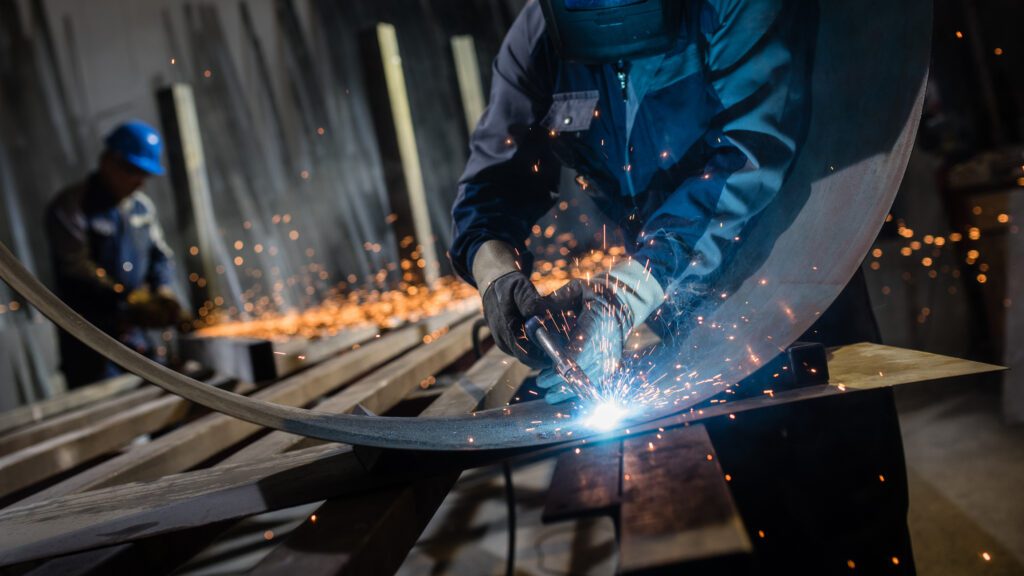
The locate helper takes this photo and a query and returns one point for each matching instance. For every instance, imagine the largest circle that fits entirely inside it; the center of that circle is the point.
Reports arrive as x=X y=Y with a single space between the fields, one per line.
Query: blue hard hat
x=139 y=144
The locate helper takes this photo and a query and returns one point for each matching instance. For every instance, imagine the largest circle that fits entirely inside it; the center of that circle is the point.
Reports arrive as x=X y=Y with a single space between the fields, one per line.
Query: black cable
x=506 y=468
x=510 y=498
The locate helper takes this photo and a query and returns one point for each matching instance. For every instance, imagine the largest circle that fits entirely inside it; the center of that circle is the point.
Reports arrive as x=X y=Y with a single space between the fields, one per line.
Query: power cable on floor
x=510 y=498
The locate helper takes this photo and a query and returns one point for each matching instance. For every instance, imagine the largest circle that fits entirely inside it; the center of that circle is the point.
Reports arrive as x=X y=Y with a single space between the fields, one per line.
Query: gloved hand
x=612 y=305
x=148 y=309
x=510 y=299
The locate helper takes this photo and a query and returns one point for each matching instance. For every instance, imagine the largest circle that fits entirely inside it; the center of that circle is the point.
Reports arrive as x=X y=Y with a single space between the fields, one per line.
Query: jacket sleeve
x=511 y=175
x=66 y=230
x=757 y=74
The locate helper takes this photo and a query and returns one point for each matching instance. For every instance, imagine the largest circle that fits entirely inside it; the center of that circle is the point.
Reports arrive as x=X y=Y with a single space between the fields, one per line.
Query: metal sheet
x=868 y=87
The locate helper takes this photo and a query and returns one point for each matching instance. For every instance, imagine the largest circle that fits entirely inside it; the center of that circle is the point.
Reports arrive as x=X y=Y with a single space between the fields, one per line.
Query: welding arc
x=492 y=429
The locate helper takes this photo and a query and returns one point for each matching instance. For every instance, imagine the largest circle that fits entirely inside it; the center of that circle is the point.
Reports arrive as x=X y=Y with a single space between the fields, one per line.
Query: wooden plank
x=89 y=520
x=396 y=138
x=369 y=534
x=382 y=388
x=865 y=366
x=586 y=482
x=190 y=445
x=38 y=462
x=83 y=521
x=69 y=401
x=298 y=354
x=372 y=533
x=676 y=507
x=379 y=391
x=46 y=429
x=158 y=493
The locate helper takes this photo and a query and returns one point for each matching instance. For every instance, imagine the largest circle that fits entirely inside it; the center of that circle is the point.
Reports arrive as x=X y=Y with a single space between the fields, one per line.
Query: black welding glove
x=612 y=304
x=510 y=299
x=147 y=309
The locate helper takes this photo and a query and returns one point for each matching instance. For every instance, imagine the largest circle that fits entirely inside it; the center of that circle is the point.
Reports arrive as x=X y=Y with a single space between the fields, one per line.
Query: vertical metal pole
x=196 y=220
x=389 y=100
x=467 y=69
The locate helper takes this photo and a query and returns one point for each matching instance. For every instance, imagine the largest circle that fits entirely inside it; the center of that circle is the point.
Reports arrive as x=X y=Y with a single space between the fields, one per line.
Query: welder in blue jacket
x=110 y=259
x=682 y=119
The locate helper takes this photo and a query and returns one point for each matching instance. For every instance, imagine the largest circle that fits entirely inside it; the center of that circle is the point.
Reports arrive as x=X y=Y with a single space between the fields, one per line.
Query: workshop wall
x=290 y=147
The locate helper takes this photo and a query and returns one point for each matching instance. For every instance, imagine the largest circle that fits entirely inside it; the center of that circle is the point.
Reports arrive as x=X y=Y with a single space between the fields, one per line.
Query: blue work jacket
x=682 y=166
x=101 y=252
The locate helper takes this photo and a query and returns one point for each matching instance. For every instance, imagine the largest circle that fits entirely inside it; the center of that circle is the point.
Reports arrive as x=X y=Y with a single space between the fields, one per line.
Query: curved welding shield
x=606 y=31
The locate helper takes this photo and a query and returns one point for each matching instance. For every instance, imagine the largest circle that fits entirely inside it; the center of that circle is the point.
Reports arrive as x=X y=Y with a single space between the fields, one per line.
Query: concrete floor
x=966 y=470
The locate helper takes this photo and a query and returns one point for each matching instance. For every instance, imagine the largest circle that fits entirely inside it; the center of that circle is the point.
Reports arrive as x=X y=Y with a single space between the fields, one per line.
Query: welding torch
x=553 y=346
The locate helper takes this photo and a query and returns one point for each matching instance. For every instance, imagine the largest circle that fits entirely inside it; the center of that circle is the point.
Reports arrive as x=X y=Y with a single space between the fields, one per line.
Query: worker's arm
x=69 y=245
x=759 y=78
x=508 y=185
x=511 y=175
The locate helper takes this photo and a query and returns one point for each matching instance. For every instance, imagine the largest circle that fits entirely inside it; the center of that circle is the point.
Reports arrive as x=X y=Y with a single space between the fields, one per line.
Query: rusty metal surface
x=868 y=89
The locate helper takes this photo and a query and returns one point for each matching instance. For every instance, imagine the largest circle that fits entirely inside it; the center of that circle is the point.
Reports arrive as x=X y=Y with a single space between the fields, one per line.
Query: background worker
x=111 y=262
x=683 y=119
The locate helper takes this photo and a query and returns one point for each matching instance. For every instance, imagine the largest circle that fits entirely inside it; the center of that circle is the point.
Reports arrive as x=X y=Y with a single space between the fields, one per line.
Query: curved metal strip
x=867 y=92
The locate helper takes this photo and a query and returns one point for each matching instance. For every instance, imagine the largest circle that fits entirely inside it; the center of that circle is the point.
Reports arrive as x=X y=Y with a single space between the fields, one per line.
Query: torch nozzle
x=565 y=366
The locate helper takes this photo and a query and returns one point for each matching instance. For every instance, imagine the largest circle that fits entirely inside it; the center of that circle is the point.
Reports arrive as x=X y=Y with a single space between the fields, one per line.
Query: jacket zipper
x=622 y=73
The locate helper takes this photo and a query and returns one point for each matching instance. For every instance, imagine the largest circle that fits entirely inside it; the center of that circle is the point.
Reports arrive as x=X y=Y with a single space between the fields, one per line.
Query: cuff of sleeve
x=637 y=289
x=494 y=259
